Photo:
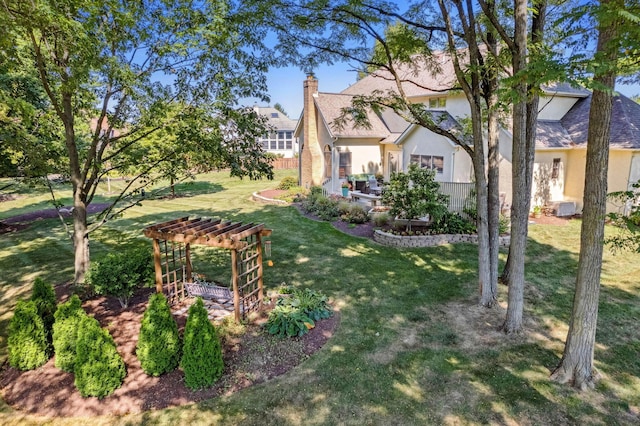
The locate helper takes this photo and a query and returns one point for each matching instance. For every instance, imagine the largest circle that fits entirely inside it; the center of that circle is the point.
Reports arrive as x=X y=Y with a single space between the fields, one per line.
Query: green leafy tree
x=628 y=222
x=99 y=369
x=115 y=72
x=158 y=346
x=65 y=332
x=618 y=34
x=27 y=342
x=415 y=194
x=202 y=353
x=45 y=299
x=120 y=274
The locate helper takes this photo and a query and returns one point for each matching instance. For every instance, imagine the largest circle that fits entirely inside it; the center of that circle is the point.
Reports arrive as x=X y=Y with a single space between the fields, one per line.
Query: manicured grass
x=411 y=347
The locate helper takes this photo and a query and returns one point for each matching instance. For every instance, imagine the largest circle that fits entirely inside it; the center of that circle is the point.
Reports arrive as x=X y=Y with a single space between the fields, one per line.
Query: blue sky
x=285 y=85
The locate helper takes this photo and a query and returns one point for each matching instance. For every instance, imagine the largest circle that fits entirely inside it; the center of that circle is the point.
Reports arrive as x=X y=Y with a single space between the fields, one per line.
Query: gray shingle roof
x=551 y=134
x=625 y=122
x=330 y=106
x=426 y=76
x=276 y=118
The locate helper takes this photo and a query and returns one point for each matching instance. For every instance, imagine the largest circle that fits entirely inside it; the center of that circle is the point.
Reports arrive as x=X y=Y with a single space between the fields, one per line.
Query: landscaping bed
x=251 y=356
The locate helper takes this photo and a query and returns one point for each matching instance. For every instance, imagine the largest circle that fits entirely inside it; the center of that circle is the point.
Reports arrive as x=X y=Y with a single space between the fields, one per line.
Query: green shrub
x=312 y=303
x=202 y=353
x=381 y=218
x=119 y=274
x=288 y=321
x=415 y=194
x=45 y=299
x=344 y=207
x=326 y=208
x=295 y=315
x=287 y=183
x=99 y=368
x=158 y=346
x=65 y=332
x=293 y=194
x=356 y=214
x=27 y=343
x=452 y=223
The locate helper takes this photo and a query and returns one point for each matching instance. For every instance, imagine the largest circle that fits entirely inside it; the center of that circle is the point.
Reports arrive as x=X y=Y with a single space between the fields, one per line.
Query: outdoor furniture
x=374 y=188
x=371 y=198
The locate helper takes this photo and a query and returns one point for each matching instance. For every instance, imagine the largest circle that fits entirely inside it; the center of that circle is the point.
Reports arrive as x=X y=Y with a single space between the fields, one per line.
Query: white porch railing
x=460 y=195
x=327 y=187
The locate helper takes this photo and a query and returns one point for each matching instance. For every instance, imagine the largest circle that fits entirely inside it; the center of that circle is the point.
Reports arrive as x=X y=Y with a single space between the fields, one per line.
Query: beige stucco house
x=329 y=153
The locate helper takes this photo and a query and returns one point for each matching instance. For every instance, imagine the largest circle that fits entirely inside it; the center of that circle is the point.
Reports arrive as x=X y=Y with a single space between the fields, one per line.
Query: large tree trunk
x=520 y=198
x=490 y=89
x=80 y=242
x=80 y=235
x=537 y=36
x=576 y=366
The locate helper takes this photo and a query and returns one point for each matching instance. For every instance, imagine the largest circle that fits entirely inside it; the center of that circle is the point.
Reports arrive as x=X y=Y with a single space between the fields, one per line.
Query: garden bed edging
x=391 y=240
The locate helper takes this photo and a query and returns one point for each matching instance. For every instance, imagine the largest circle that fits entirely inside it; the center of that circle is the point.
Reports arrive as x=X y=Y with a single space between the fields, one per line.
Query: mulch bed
x=48 y=391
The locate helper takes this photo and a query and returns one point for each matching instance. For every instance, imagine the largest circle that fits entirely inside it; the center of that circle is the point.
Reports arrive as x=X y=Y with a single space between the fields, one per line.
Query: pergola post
x=157 y=264
x=234 y=279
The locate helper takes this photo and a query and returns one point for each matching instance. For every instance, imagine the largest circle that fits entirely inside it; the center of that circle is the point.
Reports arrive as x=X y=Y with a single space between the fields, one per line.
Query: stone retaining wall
x=387 y=239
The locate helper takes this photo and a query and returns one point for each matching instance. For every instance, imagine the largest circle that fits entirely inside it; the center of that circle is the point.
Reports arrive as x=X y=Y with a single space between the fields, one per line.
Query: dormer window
x=438 y=103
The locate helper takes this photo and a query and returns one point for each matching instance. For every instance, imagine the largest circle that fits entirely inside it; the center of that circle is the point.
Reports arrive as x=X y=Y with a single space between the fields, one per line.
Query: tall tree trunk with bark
x=576 y=366
x=533 y=104
x=471 y=86
x=490 y=90
x=520 y=198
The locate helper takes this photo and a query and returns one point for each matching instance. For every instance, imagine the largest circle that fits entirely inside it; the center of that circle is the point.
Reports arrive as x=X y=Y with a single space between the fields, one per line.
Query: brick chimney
x=311 y=170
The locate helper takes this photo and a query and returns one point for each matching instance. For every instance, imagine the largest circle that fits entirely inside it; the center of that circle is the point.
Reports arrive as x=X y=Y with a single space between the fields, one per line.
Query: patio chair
x=374 y=188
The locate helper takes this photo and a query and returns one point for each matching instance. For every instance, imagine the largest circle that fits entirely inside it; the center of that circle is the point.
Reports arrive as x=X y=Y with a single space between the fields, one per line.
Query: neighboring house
x=330 y=153
x=280 y=140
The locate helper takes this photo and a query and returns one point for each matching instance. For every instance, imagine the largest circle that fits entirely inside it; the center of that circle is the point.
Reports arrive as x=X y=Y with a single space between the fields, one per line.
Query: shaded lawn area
x=412 y=347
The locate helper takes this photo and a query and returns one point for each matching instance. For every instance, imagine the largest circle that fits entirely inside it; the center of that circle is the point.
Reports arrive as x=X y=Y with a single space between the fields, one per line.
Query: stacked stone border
x=392 y=240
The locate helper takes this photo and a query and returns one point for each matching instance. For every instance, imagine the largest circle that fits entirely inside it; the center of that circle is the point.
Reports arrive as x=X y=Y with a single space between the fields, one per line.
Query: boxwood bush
x=119 y=274
x=158 y=346
x=99 y=368
x=202 y=353
x=45 y=299
x=65 y=332
x=27 y=343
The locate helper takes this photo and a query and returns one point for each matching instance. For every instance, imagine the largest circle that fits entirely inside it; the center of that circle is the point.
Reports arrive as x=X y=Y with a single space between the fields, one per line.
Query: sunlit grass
x=408 y=349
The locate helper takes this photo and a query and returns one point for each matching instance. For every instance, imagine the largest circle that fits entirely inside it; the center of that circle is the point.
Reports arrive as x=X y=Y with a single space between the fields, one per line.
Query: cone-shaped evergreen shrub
x=99 y=368
x=65 y=332
x=202 y=353
x=45 y=300
x=159 y=343
x=27 y=342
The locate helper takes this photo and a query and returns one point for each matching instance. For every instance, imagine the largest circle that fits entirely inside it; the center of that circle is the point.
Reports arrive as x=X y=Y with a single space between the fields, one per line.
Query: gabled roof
x=565 y=89
x=444 y=120
x=625 y=123
x=277 y=119
x=330 y=106
x=426 y=76
x=551 y=134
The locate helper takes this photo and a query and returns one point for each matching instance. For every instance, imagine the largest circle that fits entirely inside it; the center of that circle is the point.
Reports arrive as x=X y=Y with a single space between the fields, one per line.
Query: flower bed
x=392 y=240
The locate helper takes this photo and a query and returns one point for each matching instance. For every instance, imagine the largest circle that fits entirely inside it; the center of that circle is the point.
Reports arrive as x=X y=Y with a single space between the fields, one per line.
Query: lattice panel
x=172 y=264
x=249 y=264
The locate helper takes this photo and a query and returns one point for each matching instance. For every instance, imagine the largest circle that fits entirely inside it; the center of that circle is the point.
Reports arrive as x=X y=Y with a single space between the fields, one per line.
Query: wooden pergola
x=172 y=241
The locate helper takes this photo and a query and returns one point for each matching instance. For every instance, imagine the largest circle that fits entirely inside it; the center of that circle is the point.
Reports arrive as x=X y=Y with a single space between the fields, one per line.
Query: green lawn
x=412 y=347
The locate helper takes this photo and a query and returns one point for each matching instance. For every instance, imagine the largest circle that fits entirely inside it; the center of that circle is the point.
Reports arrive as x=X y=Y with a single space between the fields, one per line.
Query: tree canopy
x=108 y=76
